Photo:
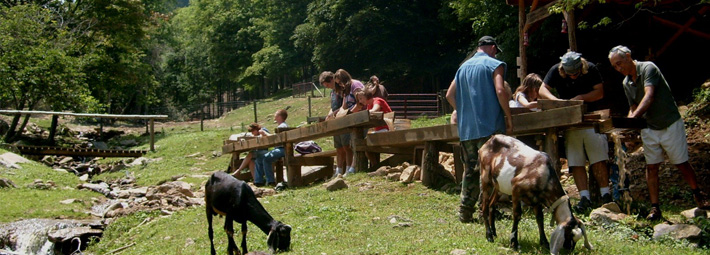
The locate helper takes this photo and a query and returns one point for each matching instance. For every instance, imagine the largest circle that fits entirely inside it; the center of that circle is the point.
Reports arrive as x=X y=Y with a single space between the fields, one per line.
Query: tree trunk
x=11 y=131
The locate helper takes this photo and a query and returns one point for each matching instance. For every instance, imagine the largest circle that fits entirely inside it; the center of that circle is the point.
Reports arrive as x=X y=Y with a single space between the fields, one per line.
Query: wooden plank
x=558 y=117
x=519 y=110
x=539 y=14
x=619 y=124
x=551 y=149
x=386 y=149
x=261 y=142
x=318 y=175
x=41 y=150
x=330 y=153
x=547 y=104
x=336 y=126
x=415 y=136
x=293 y=170
x=279 y=130
x=314 y=161
x=360 y=158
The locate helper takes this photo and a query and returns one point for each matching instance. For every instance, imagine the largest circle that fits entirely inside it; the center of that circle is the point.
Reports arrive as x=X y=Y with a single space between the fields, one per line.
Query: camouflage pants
x=470 y=185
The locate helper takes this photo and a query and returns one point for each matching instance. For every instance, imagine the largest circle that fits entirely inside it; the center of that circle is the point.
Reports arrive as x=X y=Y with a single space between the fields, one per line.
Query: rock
x=13 y=158
x=335 y=184
x=694 y=213
x=39 y=184
x=7 y=183
x=48 y=160
x=102 y=188
x=216 y=154
x=613 y=207
x=458 y=252
x=60 y=170
x=382 y=171
x=405 y=165
x=677 y=231
x=193 y=155
x=396 y=169
x=67 y=201
x=260 y=192
x=83 y=167
x=112 y=209
x=604 y=216
x=84 y=177
x=393 y=176
x=407 y=175
x=139 y=162
x=69 y=233
x=189 y=242
x=170 y=189
x=65 y=160
x=418 y=174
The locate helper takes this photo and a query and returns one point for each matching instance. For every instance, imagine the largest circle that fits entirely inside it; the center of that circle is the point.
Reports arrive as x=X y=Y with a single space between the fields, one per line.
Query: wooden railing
x=412 y=106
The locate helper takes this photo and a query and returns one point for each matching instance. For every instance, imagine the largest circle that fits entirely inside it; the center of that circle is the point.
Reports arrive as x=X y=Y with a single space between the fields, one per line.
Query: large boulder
x=407 y=175
x=335 y=184
x=604 y=216
x=677 y=231
x=12 y=160
x=694 y=213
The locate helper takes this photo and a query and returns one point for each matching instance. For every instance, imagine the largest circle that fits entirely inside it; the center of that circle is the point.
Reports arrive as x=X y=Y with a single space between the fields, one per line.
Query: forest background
x=158 y=56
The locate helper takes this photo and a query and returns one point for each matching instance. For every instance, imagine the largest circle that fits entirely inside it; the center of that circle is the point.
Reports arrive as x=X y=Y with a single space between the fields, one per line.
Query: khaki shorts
x=340 y=141
x=577 y=141
x=671 y=139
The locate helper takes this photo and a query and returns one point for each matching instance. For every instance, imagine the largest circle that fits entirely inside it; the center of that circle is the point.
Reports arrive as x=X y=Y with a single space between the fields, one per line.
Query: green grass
x=25 y=203
x=357 y=221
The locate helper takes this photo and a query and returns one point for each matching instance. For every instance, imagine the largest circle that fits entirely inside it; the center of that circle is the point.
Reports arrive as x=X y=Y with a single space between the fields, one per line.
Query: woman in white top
x=527 y=93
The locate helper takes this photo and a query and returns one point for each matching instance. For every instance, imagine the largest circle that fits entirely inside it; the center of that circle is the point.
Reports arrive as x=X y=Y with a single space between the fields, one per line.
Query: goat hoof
x=489 y=238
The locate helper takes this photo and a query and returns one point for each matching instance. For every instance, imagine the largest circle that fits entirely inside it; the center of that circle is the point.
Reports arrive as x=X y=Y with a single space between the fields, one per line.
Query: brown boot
x=701 y=199
x=655 y=214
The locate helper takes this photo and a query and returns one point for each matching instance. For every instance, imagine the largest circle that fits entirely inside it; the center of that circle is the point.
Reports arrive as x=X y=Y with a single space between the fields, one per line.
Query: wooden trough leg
x=551 y=149
x=430 y=159
x=279 y=170
x=357 y=139
x=293 y=170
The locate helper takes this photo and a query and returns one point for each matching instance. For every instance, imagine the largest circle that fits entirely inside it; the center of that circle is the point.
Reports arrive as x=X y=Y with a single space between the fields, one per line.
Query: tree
x=37 y=65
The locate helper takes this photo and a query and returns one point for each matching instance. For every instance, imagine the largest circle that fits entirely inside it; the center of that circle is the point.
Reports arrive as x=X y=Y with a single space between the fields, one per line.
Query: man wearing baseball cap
x=577 y=79
x=480 y=99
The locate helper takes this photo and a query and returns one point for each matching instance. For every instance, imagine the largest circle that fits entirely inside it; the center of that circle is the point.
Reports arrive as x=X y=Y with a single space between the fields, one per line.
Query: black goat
x=511 y=167
x=234 y=199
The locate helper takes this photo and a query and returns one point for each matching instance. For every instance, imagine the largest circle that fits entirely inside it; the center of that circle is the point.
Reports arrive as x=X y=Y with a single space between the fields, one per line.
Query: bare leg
x=652 y=181
x=349 y=156
x=340 y=158
x=580 y=177
x=688 y=174
x=245 y=162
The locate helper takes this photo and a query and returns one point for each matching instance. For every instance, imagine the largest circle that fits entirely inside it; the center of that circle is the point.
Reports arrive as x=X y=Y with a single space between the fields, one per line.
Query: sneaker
x=349 y=172
x=583 y=205
x=465 y=215
x=259 y=184
x=655 y=214
x=606 y=198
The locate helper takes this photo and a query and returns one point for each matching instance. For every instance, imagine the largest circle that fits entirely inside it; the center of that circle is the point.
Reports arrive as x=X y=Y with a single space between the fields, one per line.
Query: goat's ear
x=557 y=239
x=273 y=241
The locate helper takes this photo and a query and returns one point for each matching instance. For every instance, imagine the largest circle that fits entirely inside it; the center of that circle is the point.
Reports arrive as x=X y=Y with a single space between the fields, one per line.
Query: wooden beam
x=672 y=24
x=547 y=104
x=152 y=135
x=681 y=30
x=317 y=175
x=357 y=137
x=254 y=143
x=551 y=149
x=336 y=126
x=619 y=124
x=414 y=136
x=559 y=117
x=537 y=15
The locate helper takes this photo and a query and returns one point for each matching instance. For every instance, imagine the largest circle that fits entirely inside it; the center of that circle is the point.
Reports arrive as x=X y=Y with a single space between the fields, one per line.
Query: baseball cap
x=571 y=62
x=489 y=40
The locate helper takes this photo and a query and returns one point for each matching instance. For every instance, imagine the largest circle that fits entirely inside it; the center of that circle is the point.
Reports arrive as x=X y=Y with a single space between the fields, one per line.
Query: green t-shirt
x=663 y=110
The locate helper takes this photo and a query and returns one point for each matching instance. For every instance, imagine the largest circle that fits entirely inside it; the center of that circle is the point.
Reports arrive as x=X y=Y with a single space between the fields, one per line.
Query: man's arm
x=646 y=102
x=594 y=95
x=451 y=94
x=503 y=98
x=545 y=93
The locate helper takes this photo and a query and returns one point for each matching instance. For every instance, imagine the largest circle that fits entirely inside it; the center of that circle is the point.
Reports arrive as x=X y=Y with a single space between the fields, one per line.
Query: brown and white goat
x=509 y=166
x=235 y=200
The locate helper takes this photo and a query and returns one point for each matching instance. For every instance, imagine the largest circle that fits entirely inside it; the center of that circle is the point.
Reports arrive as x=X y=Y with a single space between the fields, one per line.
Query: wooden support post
x=521 y=40
x=255 y=116
x=101 y=127
x=53 y=129
x=309 y=106
x=202 y=119
x=293 y=171
x=571 y=29
x=430 y=160
x=551 y=149
x=357 y=139
x=279 y=170
x=152 y=135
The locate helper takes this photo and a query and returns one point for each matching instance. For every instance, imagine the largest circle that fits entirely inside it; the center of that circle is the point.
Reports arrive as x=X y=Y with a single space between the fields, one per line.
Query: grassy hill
x=372 y=216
